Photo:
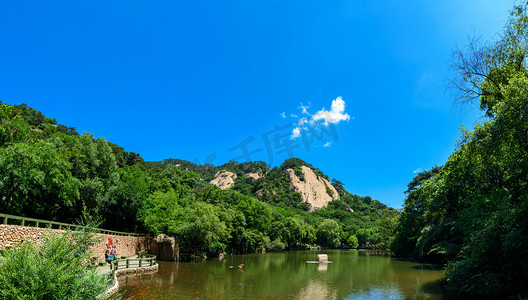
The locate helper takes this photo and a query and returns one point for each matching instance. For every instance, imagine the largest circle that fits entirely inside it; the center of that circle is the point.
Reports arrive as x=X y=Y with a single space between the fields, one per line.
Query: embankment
x=11 y=235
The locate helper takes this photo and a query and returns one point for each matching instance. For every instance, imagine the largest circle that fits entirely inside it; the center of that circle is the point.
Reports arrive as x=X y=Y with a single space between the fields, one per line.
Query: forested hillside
x=471 y=213
x=367 y=219
x=50 y=171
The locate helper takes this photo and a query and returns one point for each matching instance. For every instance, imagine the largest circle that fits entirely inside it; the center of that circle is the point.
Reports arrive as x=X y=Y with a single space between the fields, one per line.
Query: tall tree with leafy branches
x=471 y=213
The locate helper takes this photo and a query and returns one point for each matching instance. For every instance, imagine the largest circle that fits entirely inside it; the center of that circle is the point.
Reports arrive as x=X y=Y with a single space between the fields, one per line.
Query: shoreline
x=115 y=287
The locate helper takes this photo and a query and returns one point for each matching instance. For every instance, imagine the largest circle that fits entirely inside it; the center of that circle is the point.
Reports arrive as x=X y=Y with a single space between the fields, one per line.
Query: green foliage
x=339 y=186
x=276 y=245
x=200 y=229
x=299 y=173
x=296 y=164
x=12 y=127
x=357 y=215
x=352 y=241
x=258 y=214
x=126 y=198
x=329 y=233
x=329 y=192
x=296 y=232
x=55 y=269
x=124 y=158
x=292 y=163
x=36 y=180
x=163 y=211
x=471 y=213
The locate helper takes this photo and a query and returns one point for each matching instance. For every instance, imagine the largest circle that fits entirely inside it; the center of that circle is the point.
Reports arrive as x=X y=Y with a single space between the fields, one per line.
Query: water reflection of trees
x=287 y=275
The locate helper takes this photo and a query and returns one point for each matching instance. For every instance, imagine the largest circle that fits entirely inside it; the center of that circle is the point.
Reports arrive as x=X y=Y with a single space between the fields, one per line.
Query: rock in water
x=322 y=257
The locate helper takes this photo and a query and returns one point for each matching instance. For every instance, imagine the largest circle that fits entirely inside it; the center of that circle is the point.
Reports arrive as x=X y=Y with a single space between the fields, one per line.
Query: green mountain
x=372 y=221
x=270 y=185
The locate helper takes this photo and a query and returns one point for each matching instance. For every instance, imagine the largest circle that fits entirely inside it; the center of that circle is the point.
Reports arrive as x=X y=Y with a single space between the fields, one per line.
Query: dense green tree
x=329 y=233
x=412 y=220
x=258 y=214
x=339 y=186
x=125 y=199
x=91 y=159
x=352 y=241
x=13 y=128
x=124 y=158
x=200 y=229
x=297 y=233
x=163 y=211
x=471 y=213
x=35 y=180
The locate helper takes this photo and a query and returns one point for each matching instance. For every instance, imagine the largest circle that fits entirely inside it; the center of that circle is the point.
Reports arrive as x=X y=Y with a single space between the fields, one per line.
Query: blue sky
x=203 y=80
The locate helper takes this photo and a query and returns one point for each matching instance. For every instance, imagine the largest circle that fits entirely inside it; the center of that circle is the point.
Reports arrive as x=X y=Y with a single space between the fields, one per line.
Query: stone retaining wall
x=11 y=235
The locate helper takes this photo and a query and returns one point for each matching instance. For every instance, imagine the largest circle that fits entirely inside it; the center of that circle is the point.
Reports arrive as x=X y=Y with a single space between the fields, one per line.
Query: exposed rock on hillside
x=255 y=176
x=224 y=179
x=313 y=189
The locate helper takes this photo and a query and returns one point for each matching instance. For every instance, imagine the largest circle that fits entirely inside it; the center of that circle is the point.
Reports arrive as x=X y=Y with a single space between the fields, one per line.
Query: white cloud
x=296 y=133
x=305 y=108
x=334 y=116
x=283 y=115
x=293 y=115
x=327 y=144
x=302 y=121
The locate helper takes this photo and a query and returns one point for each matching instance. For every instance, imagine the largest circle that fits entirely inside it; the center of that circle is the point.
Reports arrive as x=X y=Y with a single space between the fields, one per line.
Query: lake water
x=286 y=275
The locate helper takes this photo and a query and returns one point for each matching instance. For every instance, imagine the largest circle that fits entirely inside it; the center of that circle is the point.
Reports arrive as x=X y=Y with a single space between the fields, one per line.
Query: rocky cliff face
x=224 y=179
x=313 y=189
x=253 y=175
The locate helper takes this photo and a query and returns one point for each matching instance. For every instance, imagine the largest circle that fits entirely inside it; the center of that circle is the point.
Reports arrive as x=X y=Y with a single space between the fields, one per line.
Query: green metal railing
x=127 y=263
x=24 y=221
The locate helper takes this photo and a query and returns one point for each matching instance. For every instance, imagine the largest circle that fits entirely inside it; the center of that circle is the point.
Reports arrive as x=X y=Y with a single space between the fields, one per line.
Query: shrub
x=58 y=268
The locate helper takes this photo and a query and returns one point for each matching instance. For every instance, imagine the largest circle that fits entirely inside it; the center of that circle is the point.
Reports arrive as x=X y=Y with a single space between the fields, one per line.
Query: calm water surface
x=286 y=275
